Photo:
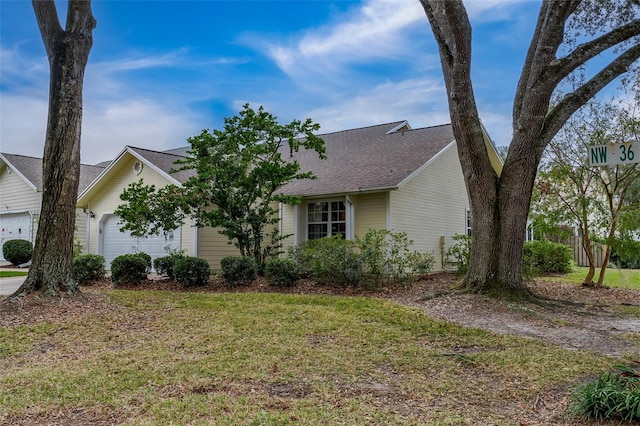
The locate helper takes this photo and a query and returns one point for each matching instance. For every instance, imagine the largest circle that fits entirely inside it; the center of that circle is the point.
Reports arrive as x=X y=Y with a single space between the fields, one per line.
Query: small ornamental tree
x=237 y=172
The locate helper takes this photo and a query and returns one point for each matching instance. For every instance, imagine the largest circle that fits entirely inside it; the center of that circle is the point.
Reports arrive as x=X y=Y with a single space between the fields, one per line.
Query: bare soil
x=581 y=318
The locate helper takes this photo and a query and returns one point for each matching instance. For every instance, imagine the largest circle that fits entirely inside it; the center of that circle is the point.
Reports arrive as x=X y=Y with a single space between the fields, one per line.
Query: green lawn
x=270 y=359
x=6 y=274
x=623 y=278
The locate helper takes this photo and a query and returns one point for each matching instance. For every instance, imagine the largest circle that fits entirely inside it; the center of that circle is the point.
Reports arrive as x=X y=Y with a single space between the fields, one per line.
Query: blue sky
x=161 y=71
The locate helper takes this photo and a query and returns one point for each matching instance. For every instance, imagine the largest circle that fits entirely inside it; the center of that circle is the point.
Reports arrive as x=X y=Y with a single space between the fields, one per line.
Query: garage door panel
x=116 y=243
x=14 y=226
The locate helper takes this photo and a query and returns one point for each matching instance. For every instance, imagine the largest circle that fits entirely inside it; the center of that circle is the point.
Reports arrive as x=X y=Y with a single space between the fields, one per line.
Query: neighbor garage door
x=14 y=226
x=115 y=243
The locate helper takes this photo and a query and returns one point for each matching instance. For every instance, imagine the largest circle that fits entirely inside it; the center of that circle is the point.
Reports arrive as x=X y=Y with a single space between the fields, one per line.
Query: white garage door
x=14 y=226
x=115 y=243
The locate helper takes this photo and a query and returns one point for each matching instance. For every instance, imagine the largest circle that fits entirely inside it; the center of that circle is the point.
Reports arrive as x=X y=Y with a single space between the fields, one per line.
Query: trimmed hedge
x=191 y=271
x=237 y=270
x=282 y=272
x=540 y=257
x=17 y=251
x=130 y=268
x=88 y=268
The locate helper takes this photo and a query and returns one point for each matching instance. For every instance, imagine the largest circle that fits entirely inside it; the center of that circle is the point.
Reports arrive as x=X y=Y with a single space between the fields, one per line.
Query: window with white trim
x=326 y=218
x=468 y=222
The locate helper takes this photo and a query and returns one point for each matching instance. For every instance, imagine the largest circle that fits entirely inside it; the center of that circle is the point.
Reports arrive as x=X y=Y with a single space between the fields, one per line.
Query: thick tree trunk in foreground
x=500 y=204
x=68 y=53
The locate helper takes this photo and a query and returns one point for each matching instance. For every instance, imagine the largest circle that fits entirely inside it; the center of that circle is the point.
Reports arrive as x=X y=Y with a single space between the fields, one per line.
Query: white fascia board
x=16 y=171
x=425 y=165
x=399 y=126
x=158 y=170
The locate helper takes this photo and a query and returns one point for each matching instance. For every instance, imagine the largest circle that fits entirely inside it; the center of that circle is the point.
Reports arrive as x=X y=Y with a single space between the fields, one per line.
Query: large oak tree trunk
x=68 y=53
x=500 y=204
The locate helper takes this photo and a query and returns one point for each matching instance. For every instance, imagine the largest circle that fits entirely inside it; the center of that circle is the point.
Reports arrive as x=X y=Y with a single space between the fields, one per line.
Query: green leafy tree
x=596 y=200
x=500 y=201
x=237 y=171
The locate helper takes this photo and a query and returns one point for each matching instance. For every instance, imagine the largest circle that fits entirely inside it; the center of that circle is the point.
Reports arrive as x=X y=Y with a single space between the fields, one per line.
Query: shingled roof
x=165 y=162
x=369 y=159
x=30 y=169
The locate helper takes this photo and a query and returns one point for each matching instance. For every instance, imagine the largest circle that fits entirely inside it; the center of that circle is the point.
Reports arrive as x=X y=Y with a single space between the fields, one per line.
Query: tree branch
x=48 y=22
x=587 y=51
x=573 y=101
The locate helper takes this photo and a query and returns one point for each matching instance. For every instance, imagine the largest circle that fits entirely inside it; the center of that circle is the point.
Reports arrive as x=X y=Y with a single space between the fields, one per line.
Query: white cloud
x=378 y=30
x=420 y=101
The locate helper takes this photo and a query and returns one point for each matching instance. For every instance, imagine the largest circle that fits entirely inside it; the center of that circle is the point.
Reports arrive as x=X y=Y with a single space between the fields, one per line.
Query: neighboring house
x=21 y=198
x=103 y=196
x=383 y=177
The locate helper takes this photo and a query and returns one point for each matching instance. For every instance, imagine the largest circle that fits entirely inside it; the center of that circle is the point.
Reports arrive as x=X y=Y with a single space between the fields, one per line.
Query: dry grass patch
x=159 y=357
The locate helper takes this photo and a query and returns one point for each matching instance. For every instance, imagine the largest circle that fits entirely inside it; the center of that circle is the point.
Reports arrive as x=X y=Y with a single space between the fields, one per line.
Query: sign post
x=614 y=153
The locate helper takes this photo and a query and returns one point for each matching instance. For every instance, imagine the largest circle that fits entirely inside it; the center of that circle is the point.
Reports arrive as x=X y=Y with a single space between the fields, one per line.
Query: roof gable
x=30 y=170
x=160 y=162
x=369 y=159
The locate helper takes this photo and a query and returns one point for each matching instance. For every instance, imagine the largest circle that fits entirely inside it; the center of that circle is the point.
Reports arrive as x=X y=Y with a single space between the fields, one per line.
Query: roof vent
x=137 y=167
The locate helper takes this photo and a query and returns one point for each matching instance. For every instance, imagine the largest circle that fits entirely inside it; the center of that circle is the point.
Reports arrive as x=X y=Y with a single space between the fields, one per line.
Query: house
x=21 y=198
x=102 y=197
x=388 y=176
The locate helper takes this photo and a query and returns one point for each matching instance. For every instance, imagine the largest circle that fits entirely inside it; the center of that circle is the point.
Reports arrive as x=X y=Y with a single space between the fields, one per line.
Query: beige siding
x=370 y=212
x=287 y=226
x=15 y=194
x=106 y=197
x=432 y=204
x=212 y=246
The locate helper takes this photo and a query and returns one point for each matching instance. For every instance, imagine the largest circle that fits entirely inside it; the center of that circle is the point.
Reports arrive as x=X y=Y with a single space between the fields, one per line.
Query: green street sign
x=614 y=153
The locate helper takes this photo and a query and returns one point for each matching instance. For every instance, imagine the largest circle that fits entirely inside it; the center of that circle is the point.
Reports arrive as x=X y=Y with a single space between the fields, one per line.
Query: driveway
x=10 y=284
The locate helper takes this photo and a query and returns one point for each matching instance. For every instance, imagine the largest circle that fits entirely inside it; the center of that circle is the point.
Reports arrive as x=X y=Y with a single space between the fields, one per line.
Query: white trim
x=399 y=126
x=15 y=169
x=136 y=155
x=425 y=165
x=195 y=240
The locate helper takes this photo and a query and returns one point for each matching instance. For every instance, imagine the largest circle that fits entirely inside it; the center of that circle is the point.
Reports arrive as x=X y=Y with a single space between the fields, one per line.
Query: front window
x=325 y=219
x=468 y=222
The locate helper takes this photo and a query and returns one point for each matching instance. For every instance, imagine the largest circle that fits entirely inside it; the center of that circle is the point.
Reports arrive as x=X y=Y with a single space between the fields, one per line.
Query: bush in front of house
x=542 y=257
x=146 y=258
x=130 y=268
x=165 y=265
x=282 y=272
x=459 y=254
x=88 y=268
x=238 y=270
x=329 y=260
x=191 y=271
x=17 y=251
x=386 y=258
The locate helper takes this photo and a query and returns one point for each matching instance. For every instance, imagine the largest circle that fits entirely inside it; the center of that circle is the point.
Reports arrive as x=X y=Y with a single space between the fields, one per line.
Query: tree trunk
x=500 y=204
x=68 y=52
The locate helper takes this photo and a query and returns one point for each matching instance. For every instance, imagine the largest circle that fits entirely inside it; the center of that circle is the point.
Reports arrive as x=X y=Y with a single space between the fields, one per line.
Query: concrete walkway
x=10 y=284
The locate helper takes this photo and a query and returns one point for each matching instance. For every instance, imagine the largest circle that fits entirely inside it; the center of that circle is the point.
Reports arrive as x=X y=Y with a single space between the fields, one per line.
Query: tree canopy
x=237 y=171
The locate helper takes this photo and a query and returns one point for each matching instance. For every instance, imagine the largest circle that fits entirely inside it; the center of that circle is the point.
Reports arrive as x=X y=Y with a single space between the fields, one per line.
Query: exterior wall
x=370 y=211
x=432 y=205
x=15 y=194
x=287 y=226
x=212 y=246
x=106 y=197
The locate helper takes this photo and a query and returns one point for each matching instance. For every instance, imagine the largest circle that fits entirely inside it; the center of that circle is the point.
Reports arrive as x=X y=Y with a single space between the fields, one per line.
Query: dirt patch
x=593 y=321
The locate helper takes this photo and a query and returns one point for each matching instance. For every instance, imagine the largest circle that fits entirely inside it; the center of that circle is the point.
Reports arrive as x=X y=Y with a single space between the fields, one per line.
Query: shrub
x=386 y=257
x=459 y=254
x=129 y=268
x=546 y=257
x=612 y=395
x=147 y=260
x=17 y=251
x=191 y=271
x=283 y=272
x=88 y=268
x=165 y=265
x=238 y=270
x=329 y=260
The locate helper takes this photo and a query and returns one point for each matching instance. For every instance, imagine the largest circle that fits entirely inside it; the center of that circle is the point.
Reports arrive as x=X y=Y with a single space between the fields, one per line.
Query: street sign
x=614 y=153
